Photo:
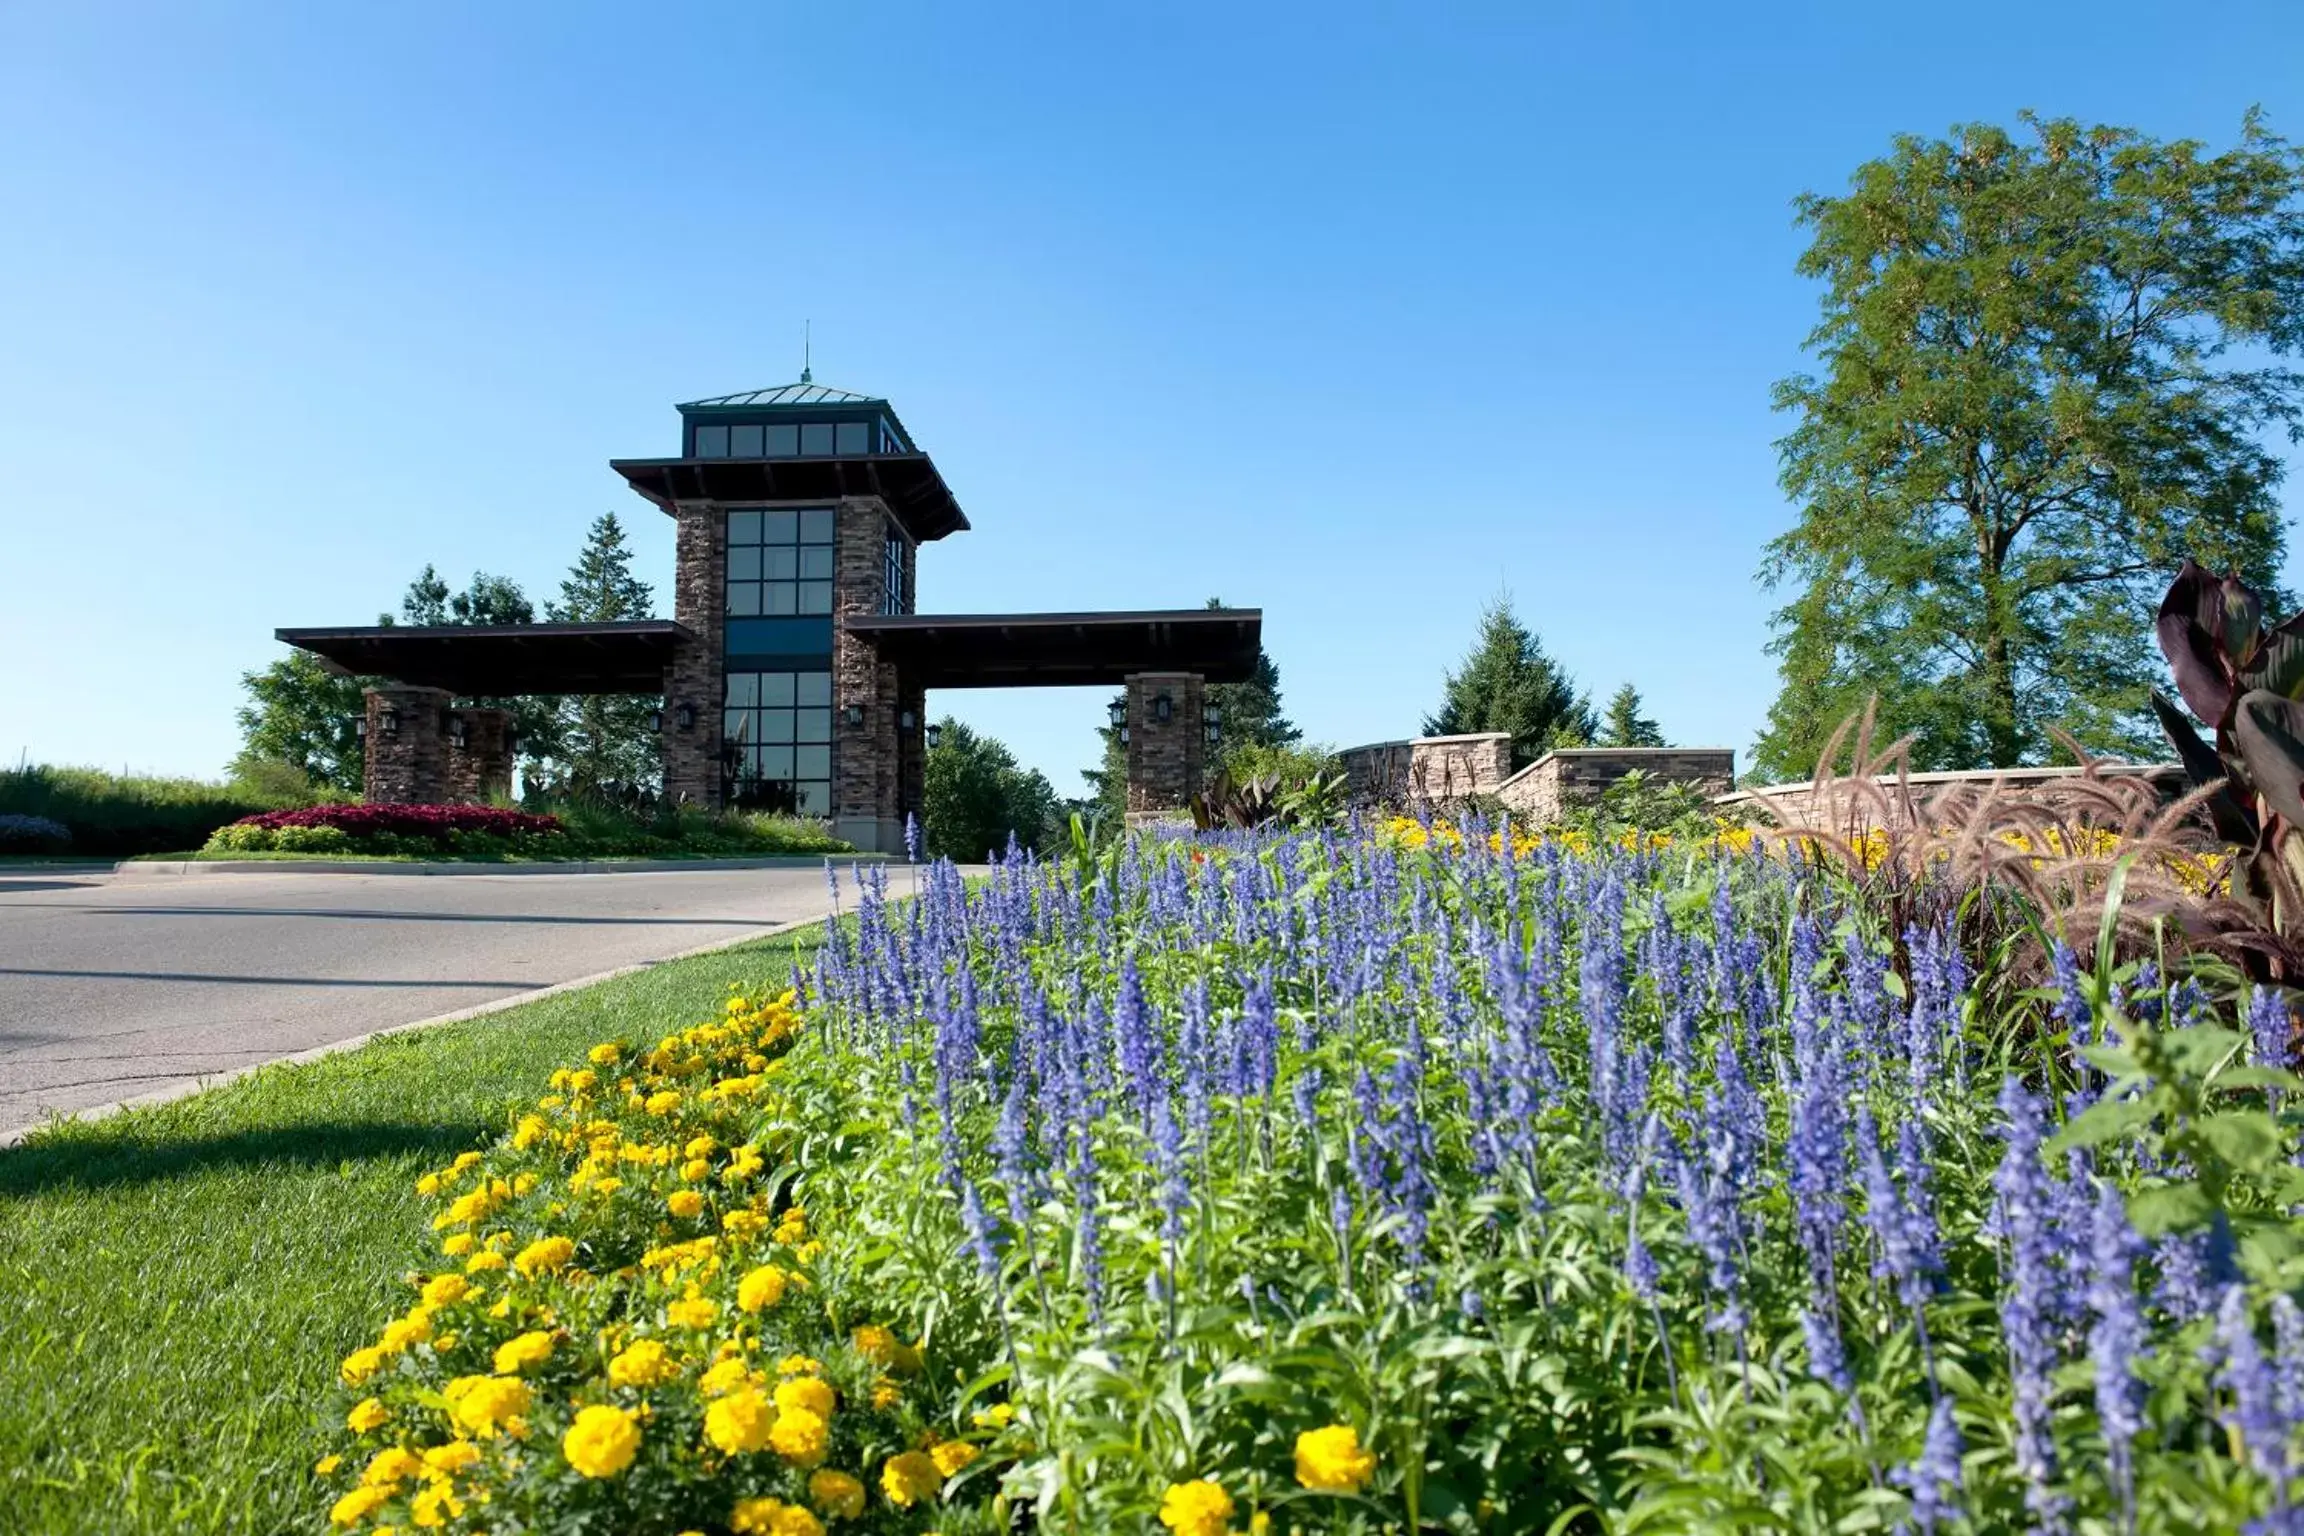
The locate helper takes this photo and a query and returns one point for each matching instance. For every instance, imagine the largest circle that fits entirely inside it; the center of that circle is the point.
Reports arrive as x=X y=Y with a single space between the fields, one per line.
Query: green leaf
x=2197 y=1050
x=2245 y=1138
x=2106 y=1120
x=2258 y=1077
x=2168 y=1208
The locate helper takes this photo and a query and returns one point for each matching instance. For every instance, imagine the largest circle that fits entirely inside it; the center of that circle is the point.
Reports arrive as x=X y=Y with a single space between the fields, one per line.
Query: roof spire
x=807 y=346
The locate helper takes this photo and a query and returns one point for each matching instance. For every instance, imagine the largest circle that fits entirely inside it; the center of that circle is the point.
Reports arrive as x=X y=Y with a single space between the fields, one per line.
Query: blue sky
x=1357 y=314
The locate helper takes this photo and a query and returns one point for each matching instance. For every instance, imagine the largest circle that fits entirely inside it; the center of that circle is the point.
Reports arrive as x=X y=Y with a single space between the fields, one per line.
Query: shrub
x=434 y=823
x=32 y=834
x=309 y=839
x=121 y=815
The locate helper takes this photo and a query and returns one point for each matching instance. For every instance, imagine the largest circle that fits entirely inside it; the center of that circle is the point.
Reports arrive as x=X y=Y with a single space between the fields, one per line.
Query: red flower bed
x=432 y=821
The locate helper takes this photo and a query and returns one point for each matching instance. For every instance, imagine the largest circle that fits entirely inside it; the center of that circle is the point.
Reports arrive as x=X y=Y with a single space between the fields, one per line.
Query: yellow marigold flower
x=606 y=1054
x=886 y=1394
x=696 y=1170
x=401 y=1332
x=367 y=1414
x=773 y=1517
x=662 y=1102
x=531 y=1130
x=805 y=1394
x=453 y=1457
x=644 y=1363
x=741 y=1223
x=361 y=1364
x=390 y=1467
x=739 y=1422
x=951 y=1455
x=800 y=1437
x=799 y=1365
x=685 y=1204
x=524 y=1352
x=435 y=1505
x=463 y=1161
x=876 y=1344
x=1330 y=1460
x=692 y=1312
x=725 y=1376
x=998 y=1416
x=483 y=1261
x=428 y=1185
x=522 y=1183
x=357 y=1505
x=445 y=1290
x=837 y=1494
x=700 y=1146
x=544 y=1255
x=1260 y=1523
x=485 y=1405
x=583 y=1082
x=909 y=1477
x=457 y=1244
x=327 y=1464
x=763 y=1287
x=602 y=1441
x=1197 y=1508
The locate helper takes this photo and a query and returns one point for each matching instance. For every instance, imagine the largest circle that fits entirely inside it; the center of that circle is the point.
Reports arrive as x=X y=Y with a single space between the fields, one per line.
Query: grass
x=178 y=1283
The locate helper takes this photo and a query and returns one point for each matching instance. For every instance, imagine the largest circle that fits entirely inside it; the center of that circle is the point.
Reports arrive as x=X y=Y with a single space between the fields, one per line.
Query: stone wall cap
x=2039 y=775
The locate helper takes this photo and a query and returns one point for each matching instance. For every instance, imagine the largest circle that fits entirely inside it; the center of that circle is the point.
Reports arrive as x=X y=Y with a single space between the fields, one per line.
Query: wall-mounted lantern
x=456 y=732
x=360 y=727
x=1212 y=719
x=685 y=715
x=1123 y=735
x=1119 y=712
x=906 y=720
x=1162 y=708
x=935 y=735
x=853 y=714
x=390 y=719
x=656 y=721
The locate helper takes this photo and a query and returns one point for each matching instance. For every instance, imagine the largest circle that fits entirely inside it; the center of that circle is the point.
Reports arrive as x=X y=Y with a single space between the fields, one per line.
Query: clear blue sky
x=1356 y=314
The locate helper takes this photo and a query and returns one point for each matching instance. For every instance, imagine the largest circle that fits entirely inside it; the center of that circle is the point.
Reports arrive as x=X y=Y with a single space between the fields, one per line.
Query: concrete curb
x=157 y=867
x=14 y=1136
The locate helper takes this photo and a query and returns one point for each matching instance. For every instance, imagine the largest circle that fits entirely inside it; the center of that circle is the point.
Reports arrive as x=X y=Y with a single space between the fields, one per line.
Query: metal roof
x=802 y=393
x=1001 y=650
x=908 y=482
x=492 y=659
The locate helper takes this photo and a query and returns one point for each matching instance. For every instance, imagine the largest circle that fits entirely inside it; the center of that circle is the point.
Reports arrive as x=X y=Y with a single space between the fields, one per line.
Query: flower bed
x=388 y=828
x=1322 y=1184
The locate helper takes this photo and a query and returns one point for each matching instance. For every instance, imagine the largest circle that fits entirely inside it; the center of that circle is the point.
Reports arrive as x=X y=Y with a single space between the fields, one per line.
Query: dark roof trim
x=996 y=650
x=488 y=660
x=908 y=482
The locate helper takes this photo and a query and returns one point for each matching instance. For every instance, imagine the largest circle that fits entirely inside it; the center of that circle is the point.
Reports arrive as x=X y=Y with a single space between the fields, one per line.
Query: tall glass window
x=892 y=575
x=778 y=729
x=779 y=562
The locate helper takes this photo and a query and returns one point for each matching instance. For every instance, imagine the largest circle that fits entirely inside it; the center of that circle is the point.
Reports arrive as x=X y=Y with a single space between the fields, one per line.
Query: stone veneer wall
x=1166 y=759
x=1430 y=770
x=1545 y=790
x=405 y=765
x=699 y=591
x=867 y=754
x=481 y=769
x=1848 y=809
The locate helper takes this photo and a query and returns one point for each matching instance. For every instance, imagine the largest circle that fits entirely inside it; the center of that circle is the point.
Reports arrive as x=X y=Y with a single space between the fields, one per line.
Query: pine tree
x=603 y=739
x=1625 y=726
x=1251 y=713
x=1508 y=684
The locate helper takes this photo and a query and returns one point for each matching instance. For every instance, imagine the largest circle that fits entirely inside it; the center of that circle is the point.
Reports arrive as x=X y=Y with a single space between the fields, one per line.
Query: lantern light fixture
x=389 y=718
x=853 y=714
x=456 y=732
x=1123 y=735
x=906 y=720
x=1162 y=708
x=1119 y=712
x=360 y=727
x=685 y=715
x=656 y=720
x=1213 y=714
x=935 y=735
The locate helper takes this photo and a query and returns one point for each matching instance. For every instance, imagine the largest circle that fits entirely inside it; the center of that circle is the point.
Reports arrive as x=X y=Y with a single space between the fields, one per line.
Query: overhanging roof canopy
x=490 y=660
x=909 y=482
x=1006 y=650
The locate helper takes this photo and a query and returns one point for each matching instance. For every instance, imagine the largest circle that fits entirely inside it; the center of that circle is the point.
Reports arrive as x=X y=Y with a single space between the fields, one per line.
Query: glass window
x=770 y=771
x=736 y=724
x=815 y=437
x=813 y=689
x=812 y=762
x=743 y=527
x=815 y=597
x=855 y=437
x=775 y=762
x=743 y=688
x=783 y=599
x=775 y=688
x=892 y=576
x=781 y=564
x=813 y=724
x=711 y=442
x=816 y=563
x=816 y=526
x=743 y=599
x=744 y=442
x=744 y=562
x=784 y=442
x=776 y=725
x=779 y=526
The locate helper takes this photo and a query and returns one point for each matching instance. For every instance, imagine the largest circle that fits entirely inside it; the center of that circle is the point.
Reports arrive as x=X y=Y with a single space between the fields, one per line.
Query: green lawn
x=178 y=1283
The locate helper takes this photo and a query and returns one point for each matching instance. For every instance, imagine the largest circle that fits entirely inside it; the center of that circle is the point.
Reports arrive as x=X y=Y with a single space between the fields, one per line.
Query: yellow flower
x=643 y=1363
x=739 y=1422
x=799 y=1437
x=452 y=1457
x=327 y=1464
x=602 y=1441
x=606 y=1054
x=485 y=1405
x=876 y=1344
x=391 y=1467
x=544 y=1255
x=725 y=1376
x=361 y=1364
x=700 y=1146
x=482 y=1262
x=772 y=1517
x=367 y=1414
x=583 y=1082
x=837 y=1494
x=696 y=1170
x=799 y=1365
x=1260 y=1523
x=908 y=1478
x=1197 y=1508
x=428 y=1185
x=998 y=1416
x=524 y=1352
x=401 y=1332
x=436 y=1505
x=685 y=1204
x=951 y=1455
x=664 y=1102
x=764 y=1287
x=356 y=1506
x=1331 y=1461
x=805 y=1394
x=456 y=1244
x=886 y=1394
x=445 y=1290
x=692 y=1312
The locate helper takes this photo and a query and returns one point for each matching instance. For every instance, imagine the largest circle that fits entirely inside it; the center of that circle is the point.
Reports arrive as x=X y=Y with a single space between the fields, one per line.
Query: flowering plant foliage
x=32 y=834
x=434 y=822
x=1325 y=1182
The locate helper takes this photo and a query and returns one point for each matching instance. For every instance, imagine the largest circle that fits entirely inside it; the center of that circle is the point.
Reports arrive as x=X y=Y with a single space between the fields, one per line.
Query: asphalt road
x=113 y=986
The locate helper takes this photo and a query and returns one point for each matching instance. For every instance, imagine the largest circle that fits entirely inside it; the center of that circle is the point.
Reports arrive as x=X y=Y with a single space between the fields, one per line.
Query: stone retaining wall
x=1431 y=770
x=1547 y=789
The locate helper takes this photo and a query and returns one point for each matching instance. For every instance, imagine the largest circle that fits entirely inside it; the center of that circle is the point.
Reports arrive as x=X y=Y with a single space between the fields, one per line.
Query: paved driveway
x=114 y=986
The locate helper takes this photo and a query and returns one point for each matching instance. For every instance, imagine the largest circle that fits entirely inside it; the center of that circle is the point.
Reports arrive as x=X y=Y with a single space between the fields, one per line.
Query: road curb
x=14 y=1137
x=188 y=867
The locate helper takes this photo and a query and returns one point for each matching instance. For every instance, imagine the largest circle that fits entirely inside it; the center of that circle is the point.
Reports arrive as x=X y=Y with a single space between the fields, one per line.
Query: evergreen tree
x=2045 y=382
x=1508 y=684
x=1625 y=726
x=602 y=739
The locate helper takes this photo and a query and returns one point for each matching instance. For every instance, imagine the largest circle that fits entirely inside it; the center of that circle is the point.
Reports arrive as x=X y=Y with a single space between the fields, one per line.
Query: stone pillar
x=406 y=759
x=865 y=705
x=479 y=760
x=1166 y=757
x=696 y=678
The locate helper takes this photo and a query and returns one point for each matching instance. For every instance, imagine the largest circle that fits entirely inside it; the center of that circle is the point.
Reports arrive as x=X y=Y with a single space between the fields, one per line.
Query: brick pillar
x=1166 y=758
x=406 y=759
x=479 y=769
x=865 y=751
x=696 y=678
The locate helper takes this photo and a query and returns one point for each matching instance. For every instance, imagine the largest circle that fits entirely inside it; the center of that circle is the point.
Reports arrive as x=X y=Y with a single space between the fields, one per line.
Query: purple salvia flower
x=1935 y=1474
x=1364 y=1148
x=911 y=838
x=2116 y=1340
x=983 y=1243
x=2024 y=1216
x=2268 y=1026
x=2254 y=1383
